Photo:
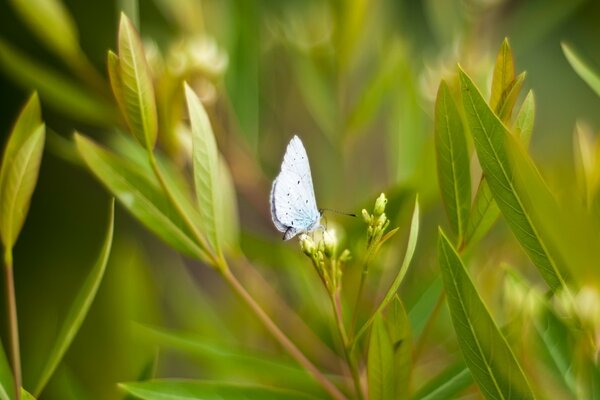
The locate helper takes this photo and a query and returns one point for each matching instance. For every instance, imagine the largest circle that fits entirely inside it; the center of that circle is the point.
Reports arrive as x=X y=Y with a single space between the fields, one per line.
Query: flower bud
x=380 y=205
x=381 y=221
x=366 y=216
x=307 y=245
x=345 y=256
x=329 y=243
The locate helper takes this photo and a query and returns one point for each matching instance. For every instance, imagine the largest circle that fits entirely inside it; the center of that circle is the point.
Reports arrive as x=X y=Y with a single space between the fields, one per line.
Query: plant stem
x=11 y=304
x=337 y=310
x=281 y=337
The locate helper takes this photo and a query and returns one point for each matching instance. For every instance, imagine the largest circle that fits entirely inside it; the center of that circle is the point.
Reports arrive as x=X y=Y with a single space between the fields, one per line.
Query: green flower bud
x=381 y=221
x=329 y=243
x=345 y=256
x=307 y=245
x=366 y=216
x=380 y=205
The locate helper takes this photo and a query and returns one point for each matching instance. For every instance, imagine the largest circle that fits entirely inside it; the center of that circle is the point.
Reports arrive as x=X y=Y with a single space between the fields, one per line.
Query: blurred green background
x=356 y=80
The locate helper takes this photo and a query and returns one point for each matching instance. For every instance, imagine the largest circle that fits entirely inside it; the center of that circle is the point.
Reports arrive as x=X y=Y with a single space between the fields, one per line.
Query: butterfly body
x=293 y=205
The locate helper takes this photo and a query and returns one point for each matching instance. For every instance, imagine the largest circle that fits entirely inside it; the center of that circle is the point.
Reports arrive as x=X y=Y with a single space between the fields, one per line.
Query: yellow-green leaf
x=484 y=347
x=206 y=168
x=582 y=69
x=490 y=136
x=525 y=118
x=7 y=384
x=380 y=362
x=136 y=85
x=454 y=171
x=79 y=307
x=52 y=23
x=25 y=395
x=504 y=74
x=19 y=171
x=509 y=98
x=139 y=192
x=400 y=337
x=116 y=84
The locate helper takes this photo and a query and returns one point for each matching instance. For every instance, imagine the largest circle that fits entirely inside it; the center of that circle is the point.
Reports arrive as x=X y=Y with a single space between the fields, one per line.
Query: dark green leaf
x=454 y=170
x=483 y=215
x=20 y=169
x=206 y=168
x=400 y=337
x=140 y=193
x=380 y=365
x=136 y=85
x=7 y=384
x=194 y=390
x=79 y=308
x=582 y=69
x=484 y=348
x=490 y=135
x=59 y=92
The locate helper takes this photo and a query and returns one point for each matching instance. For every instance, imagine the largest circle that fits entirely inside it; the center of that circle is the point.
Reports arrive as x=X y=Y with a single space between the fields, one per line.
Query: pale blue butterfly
x=293 y=205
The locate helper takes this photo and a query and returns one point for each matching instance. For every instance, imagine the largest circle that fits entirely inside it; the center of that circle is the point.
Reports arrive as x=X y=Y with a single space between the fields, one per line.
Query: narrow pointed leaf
x=483 y=215
x=206 y=167
x=55 y=90
x=7 y=385
x=52 y=23
x=447 y=385
x=139 y=193
x=400 y=338
x=114 y=74
x=582 y=69
x=19 y=170
x=391 y=292
x=485 y=350
x=454 y=173
x=490 y=135
x=380 y=363
x=504 y=74
x=205 y=390
x=525 y=118
x=136 y=85
x=25 y=395
x=79 y=308
x=508 y=100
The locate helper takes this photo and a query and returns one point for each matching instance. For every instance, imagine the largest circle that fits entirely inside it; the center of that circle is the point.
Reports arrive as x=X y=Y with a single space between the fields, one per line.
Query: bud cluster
x=325 y=259
x=377 y=222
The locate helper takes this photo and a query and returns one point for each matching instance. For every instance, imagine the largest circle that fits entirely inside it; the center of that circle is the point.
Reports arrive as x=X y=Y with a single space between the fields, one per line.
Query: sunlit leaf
x=136 y=85
x=447 y=385
x=25 y=395
x=59 y=92
x=507 y=102
x=206 y=168
x=20 y=169
x=582 y=69
x=391 y=292
x=485 y=350
x=454 y=171
x=114 y=74
x=504 y=74
x=380 y=362
x=7 y=384
x=525 y=118
x=489 y=135
x=400 y=337
x=52 y=23
x=79 y=308
x=189 y=389
x=140 y=194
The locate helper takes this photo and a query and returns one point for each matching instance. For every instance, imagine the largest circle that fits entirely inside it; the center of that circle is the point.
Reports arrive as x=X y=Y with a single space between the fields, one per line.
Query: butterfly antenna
x=321 y=210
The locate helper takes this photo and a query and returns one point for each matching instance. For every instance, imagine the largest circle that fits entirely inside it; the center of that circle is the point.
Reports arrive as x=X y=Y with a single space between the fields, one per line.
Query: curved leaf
x=447 y=385
x=490 y=135
x=206 y=168
x=140 y=194
x=194 y=390
x=79 y=307
x=20 y=169
x=454 y=170
x=380 y=363
x=582 y=69
x=136 y=85
x=485 y=350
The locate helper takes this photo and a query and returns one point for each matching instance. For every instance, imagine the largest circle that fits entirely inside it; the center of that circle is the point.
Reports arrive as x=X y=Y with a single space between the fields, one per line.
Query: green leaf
x=59 y=92
x=140 y=193
x=485 y=350
x=507 y=103
x=399 y=332
x=25 y=395
x=490 y=135
x=380 y=363
x=114 y=68
x=483 y=215
x=391 y=292
x=7 y=384
x=206 y=168
x=205 y=390
x=525 y=118
x=52 y=23
x=20 y=169
x=582 y=69
x=447 y=385
x=136 y=85
x=454 y=170
x=79 y=308
x=229 y=229
x=504 y=75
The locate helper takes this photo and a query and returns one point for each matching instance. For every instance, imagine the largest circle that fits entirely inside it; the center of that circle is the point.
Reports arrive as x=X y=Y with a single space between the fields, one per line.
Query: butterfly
x=293 y=205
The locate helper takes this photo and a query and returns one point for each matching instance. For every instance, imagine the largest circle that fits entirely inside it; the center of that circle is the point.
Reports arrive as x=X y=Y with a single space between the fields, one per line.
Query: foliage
x=472 y=274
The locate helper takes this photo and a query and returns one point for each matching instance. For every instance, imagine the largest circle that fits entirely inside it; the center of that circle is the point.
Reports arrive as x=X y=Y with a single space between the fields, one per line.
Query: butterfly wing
x=293 y=205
